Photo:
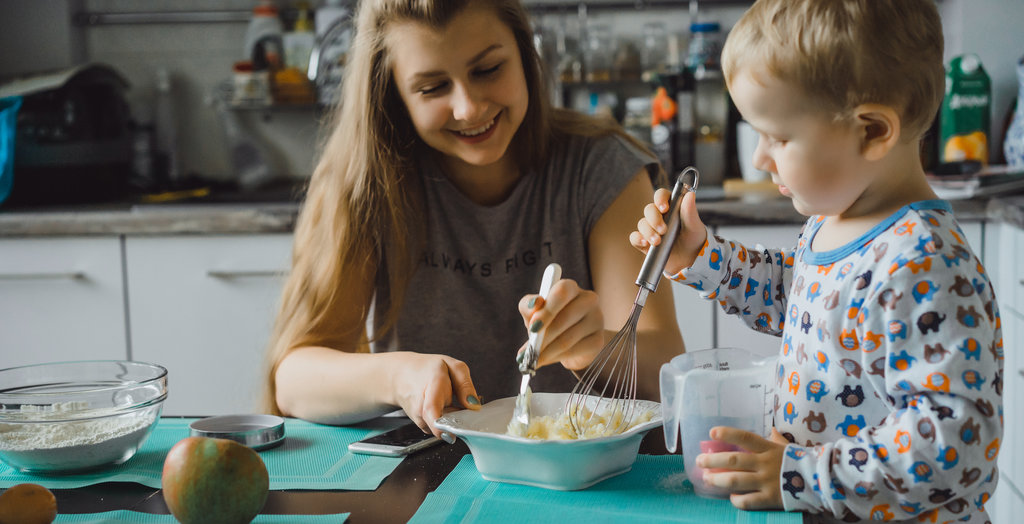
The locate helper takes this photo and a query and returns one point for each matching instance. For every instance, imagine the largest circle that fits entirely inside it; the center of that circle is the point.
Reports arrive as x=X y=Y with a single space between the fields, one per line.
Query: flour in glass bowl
x=41 y=438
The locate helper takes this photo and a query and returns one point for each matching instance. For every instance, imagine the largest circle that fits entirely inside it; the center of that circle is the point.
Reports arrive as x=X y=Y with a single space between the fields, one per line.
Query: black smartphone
x=397 y=442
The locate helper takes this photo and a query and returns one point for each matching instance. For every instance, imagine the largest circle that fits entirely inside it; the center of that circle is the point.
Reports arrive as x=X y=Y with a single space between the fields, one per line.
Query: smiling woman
x=446 y=186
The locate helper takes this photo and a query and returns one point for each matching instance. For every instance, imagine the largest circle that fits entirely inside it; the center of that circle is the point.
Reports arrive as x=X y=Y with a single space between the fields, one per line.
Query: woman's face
x=463 y=85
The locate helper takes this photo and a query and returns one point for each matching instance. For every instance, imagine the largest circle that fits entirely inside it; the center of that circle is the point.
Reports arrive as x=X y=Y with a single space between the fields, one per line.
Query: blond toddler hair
x=844 y=53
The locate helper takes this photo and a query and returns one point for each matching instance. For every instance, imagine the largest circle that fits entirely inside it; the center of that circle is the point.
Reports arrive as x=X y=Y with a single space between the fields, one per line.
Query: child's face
x=463 y=86
x=814 y=159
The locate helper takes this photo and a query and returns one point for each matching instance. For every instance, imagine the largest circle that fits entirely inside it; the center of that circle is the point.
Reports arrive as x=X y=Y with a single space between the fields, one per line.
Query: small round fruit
x=214 y=480
x=27 y=504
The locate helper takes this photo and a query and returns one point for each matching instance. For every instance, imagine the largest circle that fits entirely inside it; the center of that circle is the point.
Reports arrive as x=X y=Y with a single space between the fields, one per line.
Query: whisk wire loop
x=618 y=407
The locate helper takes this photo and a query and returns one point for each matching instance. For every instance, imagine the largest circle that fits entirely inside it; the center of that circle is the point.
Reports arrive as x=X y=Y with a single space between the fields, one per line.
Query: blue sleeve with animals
x=747 y=282
x=889 y=381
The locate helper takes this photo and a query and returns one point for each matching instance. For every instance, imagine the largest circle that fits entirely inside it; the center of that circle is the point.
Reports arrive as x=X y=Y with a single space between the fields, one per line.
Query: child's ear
x=879 y=129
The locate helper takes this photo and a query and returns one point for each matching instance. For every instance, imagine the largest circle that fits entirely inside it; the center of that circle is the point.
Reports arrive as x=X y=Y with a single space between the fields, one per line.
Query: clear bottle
x=570 y=66
x=299 y=42
x=166 y=126
x=654 y=52
x=597 y=57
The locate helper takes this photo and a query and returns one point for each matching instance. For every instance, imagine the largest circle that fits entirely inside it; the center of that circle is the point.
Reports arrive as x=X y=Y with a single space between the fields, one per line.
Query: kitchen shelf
x=100 y=18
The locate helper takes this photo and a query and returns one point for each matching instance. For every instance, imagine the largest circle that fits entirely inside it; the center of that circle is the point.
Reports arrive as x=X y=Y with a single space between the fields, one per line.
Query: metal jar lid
x=255 y=431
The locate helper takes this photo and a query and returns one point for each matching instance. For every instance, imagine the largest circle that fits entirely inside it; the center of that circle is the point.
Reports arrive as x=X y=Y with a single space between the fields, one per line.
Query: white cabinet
x=695 y=316
x=61 y=299
x=974 y=231
x=203 y=307
x=730 y=330
x=1004 y=249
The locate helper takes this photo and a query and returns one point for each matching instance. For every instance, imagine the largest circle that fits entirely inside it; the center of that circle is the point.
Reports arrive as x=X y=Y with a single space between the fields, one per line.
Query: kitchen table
x=395 y=500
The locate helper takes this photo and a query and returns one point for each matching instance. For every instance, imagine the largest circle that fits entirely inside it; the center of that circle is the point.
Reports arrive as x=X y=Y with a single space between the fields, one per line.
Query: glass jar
x=654 y=52
x=704 y=50
x=597 y=57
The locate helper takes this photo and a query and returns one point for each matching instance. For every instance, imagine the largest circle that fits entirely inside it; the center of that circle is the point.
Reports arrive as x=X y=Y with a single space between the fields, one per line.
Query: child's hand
x=652 y=226
x=573 y=322
x=753 y=477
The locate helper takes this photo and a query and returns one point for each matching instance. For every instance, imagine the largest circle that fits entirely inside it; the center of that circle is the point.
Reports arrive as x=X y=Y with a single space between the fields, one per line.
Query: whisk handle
x=657 y=256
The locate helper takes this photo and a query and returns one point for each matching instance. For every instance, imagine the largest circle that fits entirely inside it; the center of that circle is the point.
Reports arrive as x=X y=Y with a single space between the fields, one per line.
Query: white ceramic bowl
x=67 y=417
x=551 y=464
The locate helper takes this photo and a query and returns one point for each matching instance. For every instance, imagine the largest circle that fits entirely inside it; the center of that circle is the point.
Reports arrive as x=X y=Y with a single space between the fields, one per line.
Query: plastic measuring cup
x=715 y=387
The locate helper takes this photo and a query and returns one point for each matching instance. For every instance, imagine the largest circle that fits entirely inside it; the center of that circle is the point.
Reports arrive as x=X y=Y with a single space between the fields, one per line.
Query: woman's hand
x=692 y=233
x=574 y=324
x=752 y=476
x=426 y=386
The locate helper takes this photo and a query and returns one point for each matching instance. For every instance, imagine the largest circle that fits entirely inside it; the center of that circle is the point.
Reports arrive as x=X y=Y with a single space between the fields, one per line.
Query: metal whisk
x=618 y=405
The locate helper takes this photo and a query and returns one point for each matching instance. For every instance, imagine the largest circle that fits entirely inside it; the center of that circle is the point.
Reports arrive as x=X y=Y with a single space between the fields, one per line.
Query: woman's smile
x=477 y=134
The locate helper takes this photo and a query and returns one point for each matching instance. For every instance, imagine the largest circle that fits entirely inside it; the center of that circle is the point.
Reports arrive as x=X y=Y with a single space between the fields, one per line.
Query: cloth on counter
x=313 y=456
x=134 y=517
x=655 y=490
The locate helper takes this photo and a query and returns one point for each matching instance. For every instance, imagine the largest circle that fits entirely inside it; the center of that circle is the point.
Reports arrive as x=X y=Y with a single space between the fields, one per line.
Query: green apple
x=214 y=480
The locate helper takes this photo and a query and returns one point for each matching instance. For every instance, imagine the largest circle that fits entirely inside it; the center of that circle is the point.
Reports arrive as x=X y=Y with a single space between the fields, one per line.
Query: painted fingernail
x=520 y=356
x=535 y=327
x=448 y=438
x=531 y=303
x=473 y=400
x=653 y=240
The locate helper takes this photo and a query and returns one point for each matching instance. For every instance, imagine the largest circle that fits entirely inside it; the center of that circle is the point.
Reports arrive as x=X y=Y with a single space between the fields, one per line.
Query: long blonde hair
x=363 y=206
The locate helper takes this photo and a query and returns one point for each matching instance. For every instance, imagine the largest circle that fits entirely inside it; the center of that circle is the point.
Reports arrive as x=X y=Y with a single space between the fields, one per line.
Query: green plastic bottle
x=964 y=120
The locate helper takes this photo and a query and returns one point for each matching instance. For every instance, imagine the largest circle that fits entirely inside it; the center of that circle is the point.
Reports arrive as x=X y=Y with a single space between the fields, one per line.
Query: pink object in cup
x=715 y=446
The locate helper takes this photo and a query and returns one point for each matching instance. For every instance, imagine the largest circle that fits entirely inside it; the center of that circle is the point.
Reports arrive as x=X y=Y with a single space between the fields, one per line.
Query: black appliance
x=74 y=137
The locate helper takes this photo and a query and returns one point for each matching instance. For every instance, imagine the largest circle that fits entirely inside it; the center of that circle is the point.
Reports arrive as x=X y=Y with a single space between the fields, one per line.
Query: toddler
x=889 y=383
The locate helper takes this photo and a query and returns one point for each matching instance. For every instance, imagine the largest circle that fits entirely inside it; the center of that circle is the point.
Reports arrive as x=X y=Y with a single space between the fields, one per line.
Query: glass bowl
x=68 y=417
x=552 y=464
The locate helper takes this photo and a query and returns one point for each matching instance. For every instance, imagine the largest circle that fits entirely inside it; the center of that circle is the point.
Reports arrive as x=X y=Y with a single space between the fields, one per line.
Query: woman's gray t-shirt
x=478 y=260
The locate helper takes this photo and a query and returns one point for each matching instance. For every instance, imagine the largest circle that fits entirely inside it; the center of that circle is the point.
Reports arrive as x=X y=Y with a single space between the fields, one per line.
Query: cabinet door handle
x=59 y=275
x=234 y=273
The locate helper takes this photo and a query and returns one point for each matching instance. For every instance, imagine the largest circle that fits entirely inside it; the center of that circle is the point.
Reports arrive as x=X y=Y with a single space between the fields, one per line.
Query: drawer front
x=61 y=299
x=203 y=307
x=1013 y=396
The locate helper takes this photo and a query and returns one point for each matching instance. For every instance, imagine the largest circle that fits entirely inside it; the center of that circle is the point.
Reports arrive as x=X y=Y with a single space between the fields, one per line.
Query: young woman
x=447 y=185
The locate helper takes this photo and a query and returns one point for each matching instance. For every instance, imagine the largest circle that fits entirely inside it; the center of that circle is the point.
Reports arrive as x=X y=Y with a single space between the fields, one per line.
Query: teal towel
x=313 y=456
x=134 y=517
x=654 y=491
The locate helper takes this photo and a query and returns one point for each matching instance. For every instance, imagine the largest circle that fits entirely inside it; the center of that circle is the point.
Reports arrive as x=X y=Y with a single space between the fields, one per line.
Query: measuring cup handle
x=671 y=382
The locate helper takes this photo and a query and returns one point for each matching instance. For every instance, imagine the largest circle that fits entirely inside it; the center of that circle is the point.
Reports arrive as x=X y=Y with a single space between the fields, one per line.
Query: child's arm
x=929 y=344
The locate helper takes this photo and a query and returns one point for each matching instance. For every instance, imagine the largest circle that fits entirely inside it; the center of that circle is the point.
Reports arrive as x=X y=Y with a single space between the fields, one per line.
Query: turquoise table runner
x=135 y=517
x=313 y=456
x=654 y=491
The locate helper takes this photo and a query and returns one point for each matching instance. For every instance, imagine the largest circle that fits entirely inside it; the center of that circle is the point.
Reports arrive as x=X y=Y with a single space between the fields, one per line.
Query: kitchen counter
x=279 y=217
